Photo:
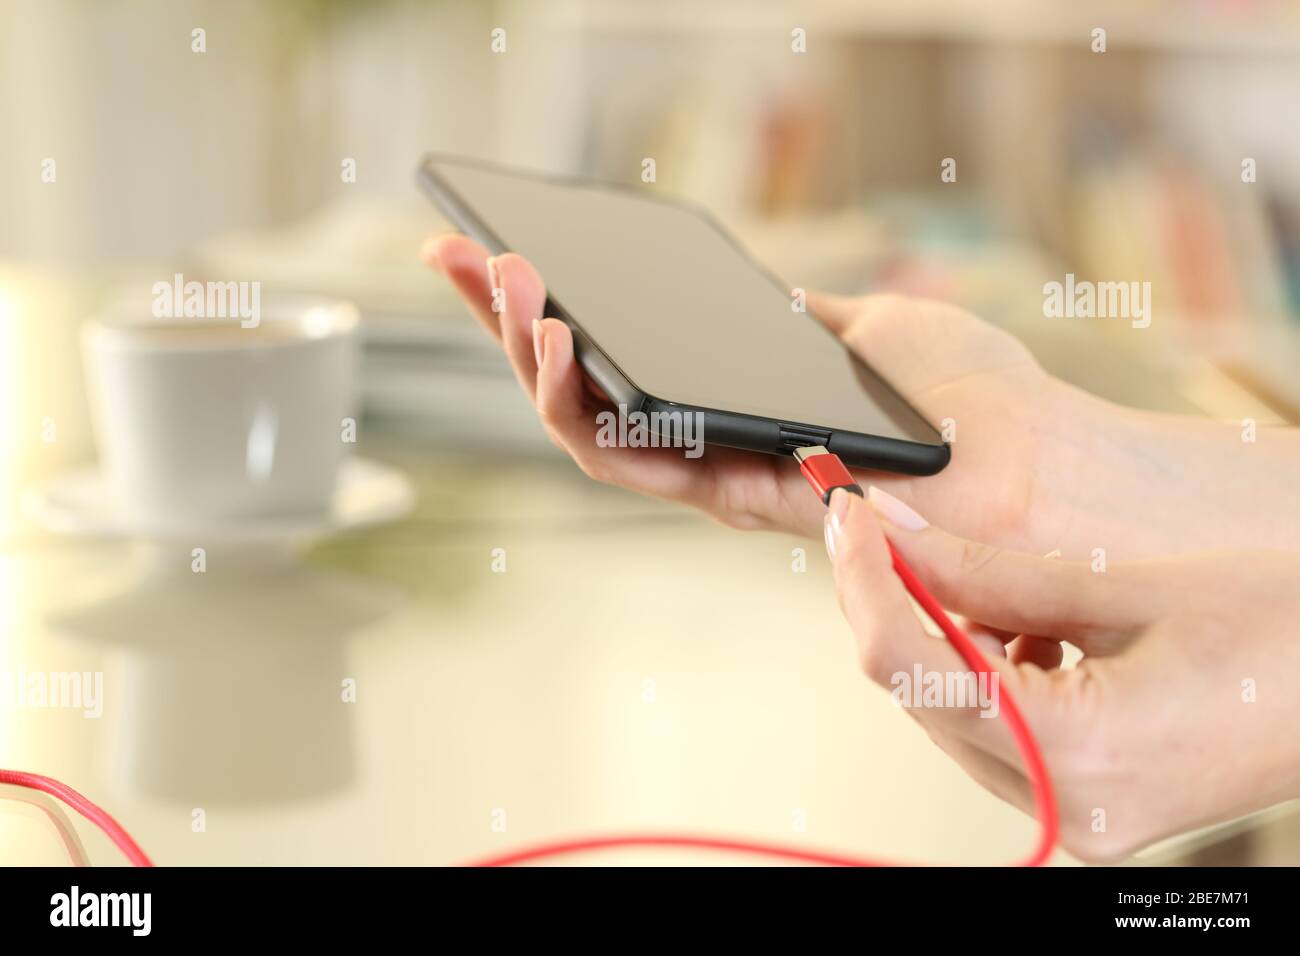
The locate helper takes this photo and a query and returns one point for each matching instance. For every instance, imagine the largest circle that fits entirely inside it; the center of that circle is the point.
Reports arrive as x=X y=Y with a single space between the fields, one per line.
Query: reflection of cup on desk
x=202 y=419
x=229 y=687
x=234 y=694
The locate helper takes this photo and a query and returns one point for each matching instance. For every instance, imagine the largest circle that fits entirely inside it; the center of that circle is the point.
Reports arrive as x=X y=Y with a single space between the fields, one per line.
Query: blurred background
x=556 y=696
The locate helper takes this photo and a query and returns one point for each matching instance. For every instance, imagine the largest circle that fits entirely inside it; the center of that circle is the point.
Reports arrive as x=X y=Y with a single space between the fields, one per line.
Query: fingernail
x=839 y=505
x=894 y=511
x=428 y=253
x=836 y=511
x=539 y=342
x=494 y=274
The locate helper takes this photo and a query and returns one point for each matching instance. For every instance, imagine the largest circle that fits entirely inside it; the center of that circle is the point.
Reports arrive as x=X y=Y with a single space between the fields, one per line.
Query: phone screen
x=683 y=312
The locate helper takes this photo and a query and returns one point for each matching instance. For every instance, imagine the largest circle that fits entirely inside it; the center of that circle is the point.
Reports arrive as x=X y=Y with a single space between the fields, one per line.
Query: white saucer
x=80 y=504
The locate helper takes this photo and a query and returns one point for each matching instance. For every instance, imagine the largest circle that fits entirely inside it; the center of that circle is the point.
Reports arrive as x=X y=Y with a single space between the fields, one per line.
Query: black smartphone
x=672 y=318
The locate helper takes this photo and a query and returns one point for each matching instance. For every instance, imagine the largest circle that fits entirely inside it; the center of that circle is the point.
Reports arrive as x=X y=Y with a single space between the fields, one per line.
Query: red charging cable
x=90 y=811
x=825 y=472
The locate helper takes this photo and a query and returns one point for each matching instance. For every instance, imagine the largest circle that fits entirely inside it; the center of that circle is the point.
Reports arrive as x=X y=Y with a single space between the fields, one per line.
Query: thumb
x=891 y=639
x=1013 y=591
x=895 y=650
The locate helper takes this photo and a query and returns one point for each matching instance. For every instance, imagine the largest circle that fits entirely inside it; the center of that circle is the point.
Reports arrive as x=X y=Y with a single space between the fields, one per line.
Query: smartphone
x=670 y=317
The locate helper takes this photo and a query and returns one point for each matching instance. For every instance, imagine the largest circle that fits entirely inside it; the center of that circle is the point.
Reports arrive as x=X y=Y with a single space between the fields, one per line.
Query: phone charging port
x=798 y=436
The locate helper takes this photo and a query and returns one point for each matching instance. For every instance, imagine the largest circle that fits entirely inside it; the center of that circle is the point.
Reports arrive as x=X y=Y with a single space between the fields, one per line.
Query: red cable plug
x=825 y=472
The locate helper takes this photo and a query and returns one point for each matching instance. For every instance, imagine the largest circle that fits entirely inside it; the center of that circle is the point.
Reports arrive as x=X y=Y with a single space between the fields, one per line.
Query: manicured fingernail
x=839 y=505
x=837 y=510
x=894 y=511
x=428 y=252
x=539 y=342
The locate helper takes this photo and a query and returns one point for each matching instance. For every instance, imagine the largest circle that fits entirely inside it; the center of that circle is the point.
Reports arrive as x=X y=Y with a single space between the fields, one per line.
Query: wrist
x=1198 y=484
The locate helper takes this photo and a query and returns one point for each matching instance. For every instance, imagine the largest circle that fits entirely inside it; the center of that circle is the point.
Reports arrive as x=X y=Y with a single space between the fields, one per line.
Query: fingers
x=570 y=415
x=890 y=638
x=995 y=775
x=895 y=334
x=974 y=628
x=1013 y=591
x=504 y=292
x=518 y=295
x=836 y=312
x=507 y=296
x=563 y=404
x=464 y=262
x=921 y=346
x=927 y=675
x=1042 y=652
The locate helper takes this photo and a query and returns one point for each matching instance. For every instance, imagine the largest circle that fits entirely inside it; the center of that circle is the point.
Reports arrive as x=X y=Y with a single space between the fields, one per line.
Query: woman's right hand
x=1036 y=464
x=1178 y=715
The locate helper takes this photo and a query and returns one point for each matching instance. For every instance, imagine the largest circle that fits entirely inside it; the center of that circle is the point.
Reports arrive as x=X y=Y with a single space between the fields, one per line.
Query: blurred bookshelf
x=1213 y=25
x=1117 y=166
x=1123 y=165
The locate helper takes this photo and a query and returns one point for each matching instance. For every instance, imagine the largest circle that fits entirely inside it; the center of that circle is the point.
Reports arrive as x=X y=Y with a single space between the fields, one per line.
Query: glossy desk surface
x=633 y=667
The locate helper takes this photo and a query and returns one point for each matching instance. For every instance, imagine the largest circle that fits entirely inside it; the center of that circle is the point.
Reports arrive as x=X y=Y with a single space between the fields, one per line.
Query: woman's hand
x=1179 y=714
x=1036 y=464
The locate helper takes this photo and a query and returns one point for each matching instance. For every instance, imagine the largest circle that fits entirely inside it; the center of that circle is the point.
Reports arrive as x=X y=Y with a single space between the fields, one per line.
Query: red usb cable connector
x=825 y=472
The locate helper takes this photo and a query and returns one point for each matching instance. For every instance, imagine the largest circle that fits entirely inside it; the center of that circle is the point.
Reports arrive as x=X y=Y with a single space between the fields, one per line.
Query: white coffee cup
x=206 y=420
